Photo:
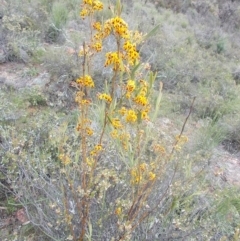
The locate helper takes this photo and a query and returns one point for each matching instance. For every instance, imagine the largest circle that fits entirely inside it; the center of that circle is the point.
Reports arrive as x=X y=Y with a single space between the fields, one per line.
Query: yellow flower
x=115 y=59
x=120 y=27
x=89 y=131
x=131 y=52
x=85 y=102
x=152 y=176
x=116 y=123
x=118 y=211
x=84 y=12
x=107 y=28
x=89 y=2
x=97 y=26
x=96 y=150
x=85 y=81
x=97 y=46
x=144 y=115
x=94 y=4
x=130 y=86
x=136 y=176
x=105 y=97
x=98 y=36
x=127 y=46
x=141 y=100
x=97 y=5
x=131 y=116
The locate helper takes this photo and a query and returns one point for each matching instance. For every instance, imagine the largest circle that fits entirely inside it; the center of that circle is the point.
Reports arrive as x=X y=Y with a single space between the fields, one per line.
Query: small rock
x=23 y=55
x=40 y=81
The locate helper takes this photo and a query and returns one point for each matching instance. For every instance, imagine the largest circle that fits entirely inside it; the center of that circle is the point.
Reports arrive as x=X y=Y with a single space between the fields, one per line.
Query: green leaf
x=158 y=101
x=152 y=78
x=152 y=32
x=134 y=70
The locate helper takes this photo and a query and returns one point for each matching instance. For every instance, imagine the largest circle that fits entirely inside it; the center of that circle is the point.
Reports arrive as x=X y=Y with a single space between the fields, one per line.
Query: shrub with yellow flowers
x=117 y=176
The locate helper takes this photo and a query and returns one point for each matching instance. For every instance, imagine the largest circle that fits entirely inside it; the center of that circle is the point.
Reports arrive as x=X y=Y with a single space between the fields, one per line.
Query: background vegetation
x=195 y=52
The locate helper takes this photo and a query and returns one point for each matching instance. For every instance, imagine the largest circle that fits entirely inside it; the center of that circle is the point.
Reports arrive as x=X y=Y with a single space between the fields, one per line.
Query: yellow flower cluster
x=141 y=100
x=131 y=116
x=120 y=27
x=141 y=172
x=97 y=26
x=90 y=6
x=115 y=59
x=97 y=46
x=83 y=125
x=144 y=114
x=144 y=87
x=131 y=52
x=96 y=150
x=116 y=25
x=136 y=176
x=116 y=123
x=85 y=81
x=105 y=97
x=130 y=86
